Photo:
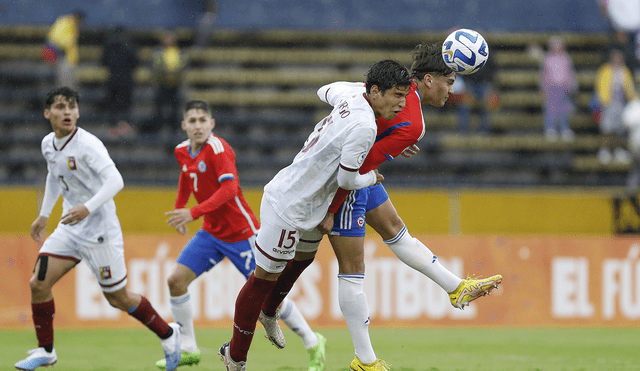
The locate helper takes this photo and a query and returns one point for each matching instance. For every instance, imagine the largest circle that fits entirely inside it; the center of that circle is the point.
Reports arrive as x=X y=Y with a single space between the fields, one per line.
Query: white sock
x=415 y=254
x=353 y=304
x=183 y=314
x=292 y=317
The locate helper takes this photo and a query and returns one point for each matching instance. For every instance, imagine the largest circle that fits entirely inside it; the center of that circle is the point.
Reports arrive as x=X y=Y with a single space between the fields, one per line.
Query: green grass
x=430 y=349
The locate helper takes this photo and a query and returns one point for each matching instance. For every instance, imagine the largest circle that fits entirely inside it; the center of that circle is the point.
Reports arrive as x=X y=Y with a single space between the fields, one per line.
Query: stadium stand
x=262 y=85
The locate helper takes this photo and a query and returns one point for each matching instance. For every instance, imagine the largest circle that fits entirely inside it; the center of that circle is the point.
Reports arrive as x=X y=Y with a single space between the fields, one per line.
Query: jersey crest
x=71 y=163
x=202 y=166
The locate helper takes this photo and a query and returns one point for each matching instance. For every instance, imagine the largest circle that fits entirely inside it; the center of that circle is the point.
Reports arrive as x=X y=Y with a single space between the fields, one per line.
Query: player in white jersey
x=297 y=199
x=80 y=169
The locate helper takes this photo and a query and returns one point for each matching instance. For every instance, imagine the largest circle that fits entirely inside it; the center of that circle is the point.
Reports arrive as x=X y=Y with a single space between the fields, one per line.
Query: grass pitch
x=430 y=349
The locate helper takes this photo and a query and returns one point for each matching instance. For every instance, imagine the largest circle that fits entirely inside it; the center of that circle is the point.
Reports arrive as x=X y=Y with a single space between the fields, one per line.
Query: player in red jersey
x=345 y=222
x=208 y=171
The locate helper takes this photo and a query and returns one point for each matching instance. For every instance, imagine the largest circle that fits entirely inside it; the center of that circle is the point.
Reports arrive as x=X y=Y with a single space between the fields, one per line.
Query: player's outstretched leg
x=37 y=357
x=378 y=365
x=472 y=288
x=171 y=347
x=317 y=354
x=230 y=364
x=272 y=328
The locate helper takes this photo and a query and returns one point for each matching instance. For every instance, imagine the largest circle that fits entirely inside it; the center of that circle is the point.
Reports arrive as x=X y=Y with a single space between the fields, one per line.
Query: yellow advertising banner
x=547 y=281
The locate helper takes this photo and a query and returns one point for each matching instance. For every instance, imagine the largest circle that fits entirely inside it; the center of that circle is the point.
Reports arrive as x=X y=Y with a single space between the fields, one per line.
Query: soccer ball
x=465 y=51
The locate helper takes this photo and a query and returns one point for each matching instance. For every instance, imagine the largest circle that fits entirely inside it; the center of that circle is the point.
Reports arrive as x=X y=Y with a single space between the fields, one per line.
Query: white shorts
x=277 y=241
x=105 y=259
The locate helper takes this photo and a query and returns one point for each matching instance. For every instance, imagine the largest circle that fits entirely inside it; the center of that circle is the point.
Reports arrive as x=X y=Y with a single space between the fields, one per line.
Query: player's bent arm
x=229 y=188
x=351 y=179
x=338 y=199
x=184 y=192
x=112 y=183
x=51 y=194
x=337 y=91
x=388 y=148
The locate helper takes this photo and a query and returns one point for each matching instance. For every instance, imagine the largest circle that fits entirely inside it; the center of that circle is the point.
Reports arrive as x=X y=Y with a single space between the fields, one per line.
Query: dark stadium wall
x=414 y=15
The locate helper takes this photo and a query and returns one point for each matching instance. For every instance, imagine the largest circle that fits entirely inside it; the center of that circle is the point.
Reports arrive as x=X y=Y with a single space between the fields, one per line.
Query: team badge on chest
x=71 y=163
x=202 y=167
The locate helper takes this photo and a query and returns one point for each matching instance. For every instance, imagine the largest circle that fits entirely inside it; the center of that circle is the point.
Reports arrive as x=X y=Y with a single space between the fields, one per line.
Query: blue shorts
x=204 y=251
x=350 y=219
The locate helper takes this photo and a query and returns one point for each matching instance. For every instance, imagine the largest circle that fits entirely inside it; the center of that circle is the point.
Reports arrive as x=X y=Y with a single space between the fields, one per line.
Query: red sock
x=291 y=272
x=42 y=314
x=248 y=306
x=150 y=318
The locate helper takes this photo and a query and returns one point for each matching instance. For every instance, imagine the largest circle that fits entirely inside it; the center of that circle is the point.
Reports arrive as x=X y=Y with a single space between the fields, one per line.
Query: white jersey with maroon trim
x=301 y=192
x=75 y=165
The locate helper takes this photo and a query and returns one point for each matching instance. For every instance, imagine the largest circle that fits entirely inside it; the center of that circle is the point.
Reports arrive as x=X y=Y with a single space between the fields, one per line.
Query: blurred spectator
x=631 y=118
x=205 y=24
x=61 y=48
x=614 y=87
x=120 y=56
x=479 y=95
x=623 y=17
x=623 y=41
x=559 y=84
x=168 y=63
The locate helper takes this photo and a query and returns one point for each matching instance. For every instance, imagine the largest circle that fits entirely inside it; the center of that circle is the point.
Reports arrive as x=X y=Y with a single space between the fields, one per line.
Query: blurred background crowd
x=551 y=108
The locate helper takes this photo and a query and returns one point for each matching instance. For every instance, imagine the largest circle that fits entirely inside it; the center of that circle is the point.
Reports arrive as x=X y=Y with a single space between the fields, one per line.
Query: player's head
x=616 y=57
x=387 y=74
x=197 y=105
x=432 y=76
x=197 y=122
x=61 y=109
x=427 y=59
x=388 y=83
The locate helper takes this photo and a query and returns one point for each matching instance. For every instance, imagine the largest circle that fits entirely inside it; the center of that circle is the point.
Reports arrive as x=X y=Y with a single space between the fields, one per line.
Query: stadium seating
x=262 y=85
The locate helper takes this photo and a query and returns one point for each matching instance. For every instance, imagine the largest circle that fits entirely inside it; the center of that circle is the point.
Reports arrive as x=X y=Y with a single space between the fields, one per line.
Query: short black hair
x=427 y=59
x=386 y=74
x=197 y=104
x=65 y=91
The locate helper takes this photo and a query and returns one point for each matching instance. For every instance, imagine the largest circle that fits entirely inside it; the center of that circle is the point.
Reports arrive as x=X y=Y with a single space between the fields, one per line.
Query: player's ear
x=428 y=80
x=213 y=123
x=375 y=90
x=183 y=125
x=47 y=113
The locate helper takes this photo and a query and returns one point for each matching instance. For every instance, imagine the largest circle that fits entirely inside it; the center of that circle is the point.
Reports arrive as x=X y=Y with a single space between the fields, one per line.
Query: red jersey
x=212 y=177
x=393 y=137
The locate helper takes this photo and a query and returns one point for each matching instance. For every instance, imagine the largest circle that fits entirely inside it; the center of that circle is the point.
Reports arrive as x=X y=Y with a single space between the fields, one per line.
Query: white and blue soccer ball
x=465 y=51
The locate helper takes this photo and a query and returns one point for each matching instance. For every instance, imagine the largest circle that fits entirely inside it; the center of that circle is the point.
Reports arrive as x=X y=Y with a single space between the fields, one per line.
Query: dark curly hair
x=386 y=74
x=427 y=59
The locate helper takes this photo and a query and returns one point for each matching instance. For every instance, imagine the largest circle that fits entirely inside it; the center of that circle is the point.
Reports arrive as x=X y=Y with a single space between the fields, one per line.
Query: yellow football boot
x=378 y=365
x=472 y=288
